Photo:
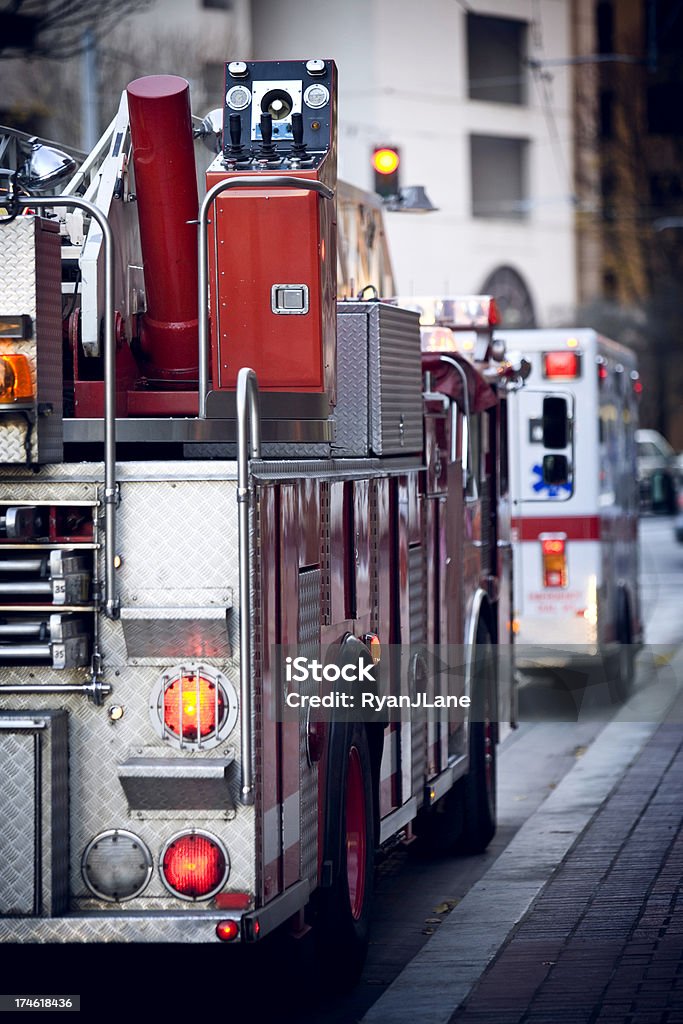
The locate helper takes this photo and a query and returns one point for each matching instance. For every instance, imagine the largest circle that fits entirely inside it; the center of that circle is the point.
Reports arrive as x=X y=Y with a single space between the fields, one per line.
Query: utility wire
x=543 y=80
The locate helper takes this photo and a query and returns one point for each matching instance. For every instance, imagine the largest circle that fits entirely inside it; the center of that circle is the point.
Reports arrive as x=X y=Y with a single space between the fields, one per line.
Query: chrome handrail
x=242 y=181
x=248 y=447
x=111 y=606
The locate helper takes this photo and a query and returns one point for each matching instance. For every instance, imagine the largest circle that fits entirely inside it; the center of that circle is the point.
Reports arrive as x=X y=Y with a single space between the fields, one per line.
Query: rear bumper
x=192 y=925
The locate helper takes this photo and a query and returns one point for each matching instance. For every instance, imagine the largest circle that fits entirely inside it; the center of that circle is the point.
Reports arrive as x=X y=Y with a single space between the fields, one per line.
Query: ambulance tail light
x=636 y=383
x=602 y=370
x=194 y=865
x=561 y=365
x=554 y=558
x=16 y=385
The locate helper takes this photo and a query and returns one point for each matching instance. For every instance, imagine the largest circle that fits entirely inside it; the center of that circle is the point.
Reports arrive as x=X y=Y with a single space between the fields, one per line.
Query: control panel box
x=272 y=240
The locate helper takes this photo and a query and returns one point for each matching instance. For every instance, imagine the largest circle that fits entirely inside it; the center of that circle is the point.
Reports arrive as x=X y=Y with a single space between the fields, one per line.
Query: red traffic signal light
x=386 y=161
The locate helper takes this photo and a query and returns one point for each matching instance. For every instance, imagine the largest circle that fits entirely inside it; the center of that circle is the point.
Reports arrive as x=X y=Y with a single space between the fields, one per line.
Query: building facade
x=480 y=118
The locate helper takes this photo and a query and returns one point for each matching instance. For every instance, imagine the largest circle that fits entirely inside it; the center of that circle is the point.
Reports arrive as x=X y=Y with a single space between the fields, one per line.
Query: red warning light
x=561 y=365
x=194 y=866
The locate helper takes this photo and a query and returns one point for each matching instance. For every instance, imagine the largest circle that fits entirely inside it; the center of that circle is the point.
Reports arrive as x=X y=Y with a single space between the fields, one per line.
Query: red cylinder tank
x=166 y=190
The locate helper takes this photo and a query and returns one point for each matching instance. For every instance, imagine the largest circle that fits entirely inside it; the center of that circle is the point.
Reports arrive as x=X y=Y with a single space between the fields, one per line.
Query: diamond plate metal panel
x=18 y=813
x=30 y=283
x=34 y=814
x=417 y=595
x=395 y=363
x=418 y=625
x=190 y=526
x=163 y=784
x=352 y=416
x=171 y=633
x=308 y=637
x=379 y=380
x=165 y=508
x=188 y=923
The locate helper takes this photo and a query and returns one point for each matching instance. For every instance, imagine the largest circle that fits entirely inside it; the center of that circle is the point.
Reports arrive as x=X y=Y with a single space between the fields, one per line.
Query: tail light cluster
x=562 y=365
x=117 y=865
x=194 y=865
x=193 y=708
x=554 y=558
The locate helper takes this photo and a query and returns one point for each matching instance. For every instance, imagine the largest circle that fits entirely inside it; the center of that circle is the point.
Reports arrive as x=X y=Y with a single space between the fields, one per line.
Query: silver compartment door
x=19 y=802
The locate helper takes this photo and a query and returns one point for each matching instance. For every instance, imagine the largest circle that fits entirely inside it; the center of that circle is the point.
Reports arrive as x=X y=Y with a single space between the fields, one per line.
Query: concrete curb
x=440 y=977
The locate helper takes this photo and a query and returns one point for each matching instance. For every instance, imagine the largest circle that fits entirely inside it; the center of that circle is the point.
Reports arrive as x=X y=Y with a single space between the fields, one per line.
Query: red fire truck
x=193 y=491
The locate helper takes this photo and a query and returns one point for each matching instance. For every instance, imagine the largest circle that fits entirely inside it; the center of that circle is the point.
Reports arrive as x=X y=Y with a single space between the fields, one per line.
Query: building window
x=604 y=16
x=496 y=55
x=217 y=5
x=499 y=177
x=513 y=298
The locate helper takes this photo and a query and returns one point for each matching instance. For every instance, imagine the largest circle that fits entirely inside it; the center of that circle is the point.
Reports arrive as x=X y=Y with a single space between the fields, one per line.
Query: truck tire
x=346 y=903
x=478 y=787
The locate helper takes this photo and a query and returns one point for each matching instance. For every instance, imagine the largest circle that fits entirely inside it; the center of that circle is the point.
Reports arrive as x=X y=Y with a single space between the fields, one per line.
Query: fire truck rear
x=174 y=525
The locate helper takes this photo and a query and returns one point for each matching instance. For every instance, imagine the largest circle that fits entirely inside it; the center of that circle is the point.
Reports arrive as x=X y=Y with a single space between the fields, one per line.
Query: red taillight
x=554 y=561
x=602 y=370
x=561 y=365
x=636 y=383
x=233 y=900
x=227 y=930
x=194 y=866
x=193 y=707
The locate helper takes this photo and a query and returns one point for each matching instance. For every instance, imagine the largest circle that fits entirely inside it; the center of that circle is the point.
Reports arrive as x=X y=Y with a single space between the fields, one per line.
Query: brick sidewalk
x=604 y=940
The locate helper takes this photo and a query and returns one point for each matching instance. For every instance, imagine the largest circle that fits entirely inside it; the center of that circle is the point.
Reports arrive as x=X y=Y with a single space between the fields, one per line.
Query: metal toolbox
x=379 y=378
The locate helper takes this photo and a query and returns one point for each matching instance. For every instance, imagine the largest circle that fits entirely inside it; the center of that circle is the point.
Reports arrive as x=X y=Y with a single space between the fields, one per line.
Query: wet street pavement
x=578 y=918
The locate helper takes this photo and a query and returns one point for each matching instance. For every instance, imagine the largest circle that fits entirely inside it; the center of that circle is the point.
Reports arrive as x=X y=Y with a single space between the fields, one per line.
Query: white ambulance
x=575 y=505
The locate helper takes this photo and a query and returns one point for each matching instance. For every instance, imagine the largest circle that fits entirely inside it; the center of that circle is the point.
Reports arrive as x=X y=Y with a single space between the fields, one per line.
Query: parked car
x=657 y=470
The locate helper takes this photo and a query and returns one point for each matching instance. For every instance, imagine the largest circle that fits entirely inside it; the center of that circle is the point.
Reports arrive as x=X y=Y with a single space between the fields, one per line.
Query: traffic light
x=386 y=162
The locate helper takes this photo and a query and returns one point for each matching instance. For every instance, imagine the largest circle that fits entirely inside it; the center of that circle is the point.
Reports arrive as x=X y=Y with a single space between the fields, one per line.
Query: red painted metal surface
x=575 y=527
x=265 y=237
x=166 y=189
x=162 y=403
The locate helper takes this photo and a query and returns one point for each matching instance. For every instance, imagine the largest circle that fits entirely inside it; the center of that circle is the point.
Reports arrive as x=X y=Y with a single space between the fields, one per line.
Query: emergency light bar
x=437 y=339
x=465 y=312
